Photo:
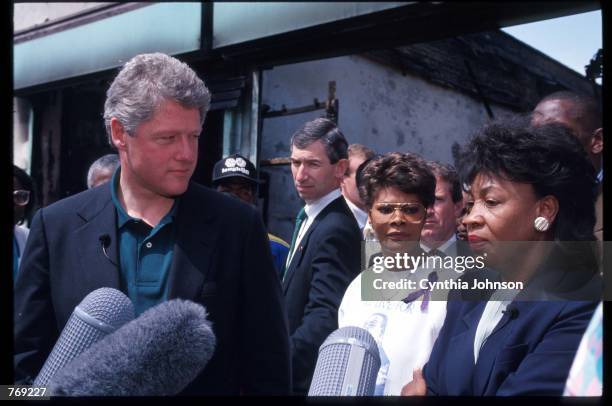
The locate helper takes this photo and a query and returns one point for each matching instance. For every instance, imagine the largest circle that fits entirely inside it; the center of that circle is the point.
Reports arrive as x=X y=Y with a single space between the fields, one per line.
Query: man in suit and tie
x=439 y=232
x=325 y=251
x=155 y=235
x=357 y=154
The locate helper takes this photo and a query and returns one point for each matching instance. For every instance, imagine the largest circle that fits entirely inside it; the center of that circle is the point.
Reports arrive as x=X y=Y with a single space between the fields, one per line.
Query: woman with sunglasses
x=531 y=211
x=23 y=208
x=397 y=189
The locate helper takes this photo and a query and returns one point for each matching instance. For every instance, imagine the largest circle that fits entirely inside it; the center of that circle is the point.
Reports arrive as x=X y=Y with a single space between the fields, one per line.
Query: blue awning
x=172 y=28
x=237 y=22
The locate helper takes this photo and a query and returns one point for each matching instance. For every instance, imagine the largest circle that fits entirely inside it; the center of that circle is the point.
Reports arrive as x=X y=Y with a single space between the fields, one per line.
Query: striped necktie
x=301 y=216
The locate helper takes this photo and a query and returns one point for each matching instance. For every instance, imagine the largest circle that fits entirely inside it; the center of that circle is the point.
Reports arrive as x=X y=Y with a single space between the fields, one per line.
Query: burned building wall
x=378 y=106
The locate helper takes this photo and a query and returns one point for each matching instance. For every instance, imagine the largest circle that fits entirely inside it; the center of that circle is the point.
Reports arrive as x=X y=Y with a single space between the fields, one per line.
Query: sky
x=571 y=40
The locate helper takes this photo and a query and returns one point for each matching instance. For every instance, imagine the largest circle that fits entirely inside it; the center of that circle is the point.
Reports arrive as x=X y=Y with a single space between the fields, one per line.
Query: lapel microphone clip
x=105 y=241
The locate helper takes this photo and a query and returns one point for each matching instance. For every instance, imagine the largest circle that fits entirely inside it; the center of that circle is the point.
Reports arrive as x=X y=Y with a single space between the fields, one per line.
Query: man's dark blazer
x=324 y=264
x=529 y=352
x=221 y=260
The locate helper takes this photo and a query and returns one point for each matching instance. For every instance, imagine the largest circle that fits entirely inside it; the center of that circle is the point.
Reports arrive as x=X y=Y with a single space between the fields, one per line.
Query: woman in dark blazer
x=531 y=214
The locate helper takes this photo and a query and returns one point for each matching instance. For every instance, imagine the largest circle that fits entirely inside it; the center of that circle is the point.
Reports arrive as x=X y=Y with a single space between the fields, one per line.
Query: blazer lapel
x=196 y=237
x=461 y=367
x=299 y=253
x=100 y=218
x=335 y=204
x=487 y=359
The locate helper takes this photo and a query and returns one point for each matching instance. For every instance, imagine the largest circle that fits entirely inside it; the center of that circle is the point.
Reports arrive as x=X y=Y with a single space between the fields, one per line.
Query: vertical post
x=206 y=32
x=332 y=105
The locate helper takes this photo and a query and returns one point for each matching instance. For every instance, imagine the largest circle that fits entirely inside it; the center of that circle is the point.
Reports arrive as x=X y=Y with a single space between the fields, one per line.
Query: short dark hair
x=28 y=184
x=549 y=158
x=584 y=107
x=449 y=174
x=326 y=131
x=405 y=171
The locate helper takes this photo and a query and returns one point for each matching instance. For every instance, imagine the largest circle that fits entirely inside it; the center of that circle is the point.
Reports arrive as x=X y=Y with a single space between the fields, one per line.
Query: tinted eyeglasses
x=21 y=197
x=413 y=212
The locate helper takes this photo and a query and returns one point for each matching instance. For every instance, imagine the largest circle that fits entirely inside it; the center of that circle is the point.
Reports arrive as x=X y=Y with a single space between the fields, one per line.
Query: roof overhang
x=258 y=33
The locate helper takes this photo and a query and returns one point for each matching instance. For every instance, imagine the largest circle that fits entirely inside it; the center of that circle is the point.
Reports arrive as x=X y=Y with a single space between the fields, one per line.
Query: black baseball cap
x=234 y=166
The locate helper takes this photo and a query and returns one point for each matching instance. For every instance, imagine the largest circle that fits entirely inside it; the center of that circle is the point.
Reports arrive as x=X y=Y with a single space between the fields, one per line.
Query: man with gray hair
x=156 y=235
x=101 y=170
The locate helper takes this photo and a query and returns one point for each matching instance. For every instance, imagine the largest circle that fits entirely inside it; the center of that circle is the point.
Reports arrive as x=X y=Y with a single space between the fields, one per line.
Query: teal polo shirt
x=145 y=254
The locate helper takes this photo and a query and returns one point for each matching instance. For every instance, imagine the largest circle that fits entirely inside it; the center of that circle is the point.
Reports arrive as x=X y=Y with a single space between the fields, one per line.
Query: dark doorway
x=210 y=148
x=83 y=136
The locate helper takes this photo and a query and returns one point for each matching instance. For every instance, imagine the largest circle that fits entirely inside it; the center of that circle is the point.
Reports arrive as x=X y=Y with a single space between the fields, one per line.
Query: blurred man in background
x=582 y=115
x=357 y=154
x=235 y=175
x=438 y=234
x=101 y=170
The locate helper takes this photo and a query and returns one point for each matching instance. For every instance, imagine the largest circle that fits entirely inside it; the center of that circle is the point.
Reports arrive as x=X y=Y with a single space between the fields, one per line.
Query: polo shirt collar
x=122 y=216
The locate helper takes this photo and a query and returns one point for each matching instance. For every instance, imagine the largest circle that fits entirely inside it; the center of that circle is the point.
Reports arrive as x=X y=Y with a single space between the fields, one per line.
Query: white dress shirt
x=491 y=315
x=600 y=175
x=360 y=215
x=312 y=211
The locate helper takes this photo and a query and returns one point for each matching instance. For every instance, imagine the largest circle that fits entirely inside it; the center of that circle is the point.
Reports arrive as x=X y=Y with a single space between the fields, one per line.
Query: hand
x=417 y=387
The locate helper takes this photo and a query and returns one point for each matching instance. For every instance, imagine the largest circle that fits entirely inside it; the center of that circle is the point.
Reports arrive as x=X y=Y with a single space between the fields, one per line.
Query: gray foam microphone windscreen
x=157 y=354
x=100 y=313
x=348 y=364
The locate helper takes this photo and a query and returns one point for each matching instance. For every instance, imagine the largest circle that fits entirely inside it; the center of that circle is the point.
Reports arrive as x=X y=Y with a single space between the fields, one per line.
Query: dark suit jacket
x=529 y=352
x=221 y=259
x=324 y=264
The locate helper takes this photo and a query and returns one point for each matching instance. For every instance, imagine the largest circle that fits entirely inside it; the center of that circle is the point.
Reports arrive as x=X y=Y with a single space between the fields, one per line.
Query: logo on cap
x=234 y=165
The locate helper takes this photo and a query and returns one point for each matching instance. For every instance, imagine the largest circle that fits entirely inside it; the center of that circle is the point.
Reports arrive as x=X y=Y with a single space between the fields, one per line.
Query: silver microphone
x=348 y=364
x=101 y=312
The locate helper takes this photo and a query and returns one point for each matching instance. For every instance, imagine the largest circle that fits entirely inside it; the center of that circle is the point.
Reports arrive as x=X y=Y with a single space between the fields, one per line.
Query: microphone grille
x=109 y=306
x=357 y=334
x=106 y=305
x=333 y=362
